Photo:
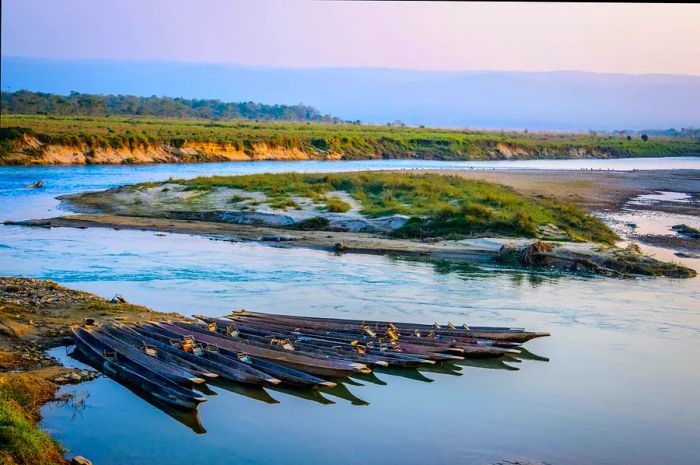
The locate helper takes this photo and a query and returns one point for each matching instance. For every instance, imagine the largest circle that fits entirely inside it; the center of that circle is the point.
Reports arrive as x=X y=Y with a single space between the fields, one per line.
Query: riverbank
x=46 y=140
x=34 y=317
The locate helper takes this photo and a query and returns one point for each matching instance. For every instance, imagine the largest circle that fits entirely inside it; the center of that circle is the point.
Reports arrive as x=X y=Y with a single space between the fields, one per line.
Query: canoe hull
x=131 y=378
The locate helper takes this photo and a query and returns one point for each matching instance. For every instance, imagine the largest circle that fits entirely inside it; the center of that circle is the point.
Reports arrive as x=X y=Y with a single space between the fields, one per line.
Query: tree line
x=78 y=104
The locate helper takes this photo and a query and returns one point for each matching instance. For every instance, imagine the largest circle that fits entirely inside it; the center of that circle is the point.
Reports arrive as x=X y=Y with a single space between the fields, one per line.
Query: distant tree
x=645 y=137
x=77 y=104
x=629 y=137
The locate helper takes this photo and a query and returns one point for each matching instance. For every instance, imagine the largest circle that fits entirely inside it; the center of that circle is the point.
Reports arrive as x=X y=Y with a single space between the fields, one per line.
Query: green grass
x=21 y=441
x=320 y=140
x=283 y=203
x=336 y=205
x=437 y=205
x=312 y=224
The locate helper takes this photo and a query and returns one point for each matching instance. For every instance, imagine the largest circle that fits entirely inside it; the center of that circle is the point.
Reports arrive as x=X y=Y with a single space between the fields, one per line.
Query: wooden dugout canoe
x=438 y=348
x=131 y=374
x=229 y=369
x=316 y=366
x=309 y=344
x=285 y=374
x=478 y=332
x=124 y=334
x=172 y=372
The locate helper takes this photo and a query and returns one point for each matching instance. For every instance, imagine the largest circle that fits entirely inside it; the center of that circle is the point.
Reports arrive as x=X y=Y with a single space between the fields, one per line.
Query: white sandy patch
x=252 y=206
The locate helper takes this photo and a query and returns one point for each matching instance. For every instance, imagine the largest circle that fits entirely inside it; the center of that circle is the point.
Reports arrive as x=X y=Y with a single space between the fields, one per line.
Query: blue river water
x=619 y=385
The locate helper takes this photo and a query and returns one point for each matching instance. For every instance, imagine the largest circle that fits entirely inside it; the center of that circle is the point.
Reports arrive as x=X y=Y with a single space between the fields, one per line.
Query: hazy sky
x=630 y=38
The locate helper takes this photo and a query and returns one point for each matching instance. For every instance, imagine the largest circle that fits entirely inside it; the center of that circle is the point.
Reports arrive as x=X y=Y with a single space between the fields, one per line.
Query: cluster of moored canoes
x=166 y=359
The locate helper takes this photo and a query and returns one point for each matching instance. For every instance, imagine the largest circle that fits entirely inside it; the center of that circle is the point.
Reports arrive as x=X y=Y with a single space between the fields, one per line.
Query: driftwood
x=539 y=254
x=37 y=185
x=579 y=261
x=532 y=254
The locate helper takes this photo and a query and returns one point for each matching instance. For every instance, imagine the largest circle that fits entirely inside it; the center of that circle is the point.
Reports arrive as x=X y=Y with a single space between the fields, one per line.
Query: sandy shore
x=590 y=190
x=347 y=242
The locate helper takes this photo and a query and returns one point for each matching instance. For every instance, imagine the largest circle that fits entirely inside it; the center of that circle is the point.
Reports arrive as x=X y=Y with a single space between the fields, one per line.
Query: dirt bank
x=35 y=316
x=30 y=151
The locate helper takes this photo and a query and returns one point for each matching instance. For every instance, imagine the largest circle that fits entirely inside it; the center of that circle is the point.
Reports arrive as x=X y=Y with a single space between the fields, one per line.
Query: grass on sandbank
x=446 y=206
x=336 y=205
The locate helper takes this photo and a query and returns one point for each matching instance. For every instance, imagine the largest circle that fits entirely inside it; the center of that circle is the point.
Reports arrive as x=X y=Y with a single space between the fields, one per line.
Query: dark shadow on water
x=189 y=418
x=204 y=389
x=532 y=278
x=341 y=391
x=369 y=378
x=479 y=269
x=527 y=355
x=462 y=268
x=409 y=373
x=302 y=393
x=348 y=380
x=442 y=368
x=452 y=366
x=487 y=363
x=252 y=392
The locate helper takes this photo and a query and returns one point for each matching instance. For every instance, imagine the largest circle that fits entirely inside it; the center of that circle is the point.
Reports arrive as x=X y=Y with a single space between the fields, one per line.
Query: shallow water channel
x=619 y=385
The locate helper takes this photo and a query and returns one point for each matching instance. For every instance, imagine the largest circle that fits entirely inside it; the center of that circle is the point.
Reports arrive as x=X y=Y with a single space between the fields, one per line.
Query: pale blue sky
x=630 y=38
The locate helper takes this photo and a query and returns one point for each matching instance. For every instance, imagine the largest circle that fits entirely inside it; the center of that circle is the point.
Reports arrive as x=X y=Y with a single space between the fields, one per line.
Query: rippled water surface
x=620 y=385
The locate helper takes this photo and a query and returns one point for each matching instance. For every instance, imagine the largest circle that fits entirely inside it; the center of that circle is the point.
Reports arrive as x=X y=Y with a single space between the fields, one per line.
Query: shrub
x=475 y=210
x=336 y=205
x=283 y=203
x=312 y=224
x=524 y=223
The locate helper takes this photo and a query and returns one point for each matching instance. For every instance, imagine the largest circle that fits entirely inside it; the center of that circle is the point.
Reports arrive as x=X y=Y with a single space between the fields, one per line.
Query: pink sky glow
x=627 y=38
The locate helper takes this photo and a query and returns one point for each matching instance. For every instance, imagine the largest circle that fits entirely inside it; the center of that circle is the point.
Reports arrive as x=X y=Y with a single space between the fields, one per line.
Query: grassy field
x=446 y=206
x=348 y=140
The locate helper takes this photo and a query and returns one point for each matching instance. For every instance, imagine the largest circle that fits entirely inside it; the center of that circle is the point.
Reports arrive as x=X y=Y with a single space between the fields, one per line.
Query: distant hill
x=485 y=99
x=77 y=104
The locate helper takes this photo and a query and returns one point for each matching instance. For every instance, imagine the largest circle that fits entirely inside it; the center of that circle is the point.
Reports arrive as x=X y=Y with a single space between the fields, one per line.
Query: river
x=619 y=385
